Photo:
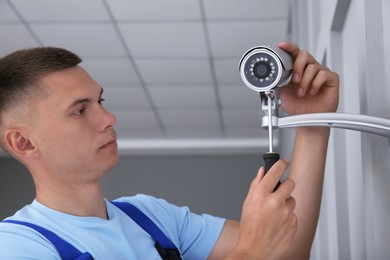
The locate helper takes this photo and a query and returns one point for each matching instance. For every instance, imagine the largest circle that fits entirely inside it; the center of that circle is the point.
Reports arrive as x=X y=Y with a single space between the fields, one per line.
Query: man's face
x=73 y=132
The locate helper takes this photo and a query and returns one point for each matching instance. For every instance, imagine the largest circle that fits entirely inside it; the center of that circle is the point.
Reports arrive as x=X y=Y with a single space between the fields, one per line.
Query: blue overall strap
x=145 y=223
x=64 y=249
x=164 y=246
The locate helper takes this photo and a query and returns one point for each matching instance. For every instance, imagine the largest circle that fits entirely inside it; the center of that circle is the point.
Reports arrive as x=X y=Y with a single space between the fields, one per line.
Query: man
x=52 y=121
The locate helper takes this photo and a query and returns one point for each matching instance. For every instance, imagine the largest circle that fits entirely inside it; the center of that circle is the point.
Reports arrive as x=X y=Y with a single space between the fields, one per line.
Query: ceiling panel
x=226 y=70
x=190 y=117
x=6 y=13
x=97 y=40
x=245 y=9
x=154 y=10
x=175 y=71
x=124 y=97
x=14 y=37
x=114 y=71
x=183 y=96
x=58 y=10
x=238 y=95
x=243 y=36
x=156 y=40
x=135 y=119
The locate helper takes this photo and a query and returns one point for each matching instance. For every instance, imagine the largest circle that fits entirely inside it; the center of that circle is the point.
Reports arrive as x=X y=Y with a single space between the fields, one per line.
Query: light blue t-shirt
x=119 y=237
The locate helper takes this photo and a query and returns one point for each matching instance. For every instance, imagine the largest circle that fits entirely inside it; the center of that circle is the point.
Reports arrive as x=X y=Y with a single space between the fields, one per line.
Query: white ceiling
x=169 y=68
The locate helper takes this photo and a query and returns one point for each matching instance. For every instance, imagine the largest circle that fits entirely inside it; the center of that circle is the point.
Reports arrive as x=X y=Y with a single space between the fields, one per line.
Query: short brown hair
x=21 y=71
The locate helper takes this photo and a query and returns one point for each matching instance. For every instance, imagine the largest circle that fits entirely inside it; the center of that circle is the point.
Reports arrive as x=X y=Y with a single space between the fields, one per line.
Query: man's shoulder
x=23 y=241
x=148 y=203
x=138 y=198
x=166 y=215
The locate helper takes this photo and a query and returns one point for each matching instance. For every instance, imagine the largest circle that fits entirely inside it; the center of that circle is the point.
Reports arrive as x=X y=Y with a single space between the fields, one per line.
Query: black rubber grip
x=270 y=159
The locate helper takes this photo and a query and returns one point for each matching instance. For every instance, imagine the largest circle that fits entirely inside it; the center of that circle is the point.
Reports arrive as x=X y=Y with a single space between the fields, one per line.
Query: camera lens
x=261 y=70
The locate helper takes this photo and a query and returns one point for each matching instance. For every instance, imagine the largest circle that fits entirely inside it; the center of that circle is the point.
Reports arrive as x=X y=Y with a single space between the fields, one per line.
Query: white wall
x=353 y=39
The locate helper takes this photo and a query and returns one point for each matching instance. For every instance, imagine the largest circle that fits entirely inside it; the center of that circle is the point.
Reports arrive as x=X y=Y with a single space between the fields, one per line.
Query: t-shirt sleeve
x=19 y=242
x=195 y=235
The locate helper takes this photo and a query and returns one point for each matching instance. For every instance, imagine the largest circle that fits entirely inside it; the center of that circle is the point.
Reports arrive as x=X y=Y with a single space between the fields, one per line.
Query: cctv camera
x=263 y=68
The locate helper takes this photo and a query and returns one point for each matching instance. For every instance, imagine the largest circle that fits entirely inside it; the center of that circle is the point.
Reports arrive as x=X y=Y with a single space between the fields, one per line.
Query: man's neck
x=79 y=200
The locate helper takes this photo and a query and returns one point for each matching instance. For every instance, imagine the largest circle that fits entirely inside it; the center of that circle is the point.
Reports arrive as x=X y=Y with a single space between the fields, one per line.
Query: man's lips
x=111 y=143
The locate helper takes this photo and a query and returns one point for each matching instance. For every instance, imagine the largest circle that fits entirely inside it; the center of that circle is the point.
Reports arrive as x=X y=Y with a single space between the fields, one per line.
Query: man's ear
x=19 y=144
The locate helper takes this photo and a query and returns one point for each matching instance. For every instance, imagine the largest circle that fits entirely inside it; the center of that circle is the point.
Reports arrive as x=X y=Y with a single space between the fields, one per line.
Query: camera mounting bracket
x=362 y=123
x=357 y=122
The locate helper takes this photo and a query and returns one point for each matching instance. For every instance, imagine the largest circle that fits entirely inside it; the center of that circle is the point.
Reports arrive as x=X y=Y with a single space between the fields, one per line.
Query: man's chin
x=113 y=162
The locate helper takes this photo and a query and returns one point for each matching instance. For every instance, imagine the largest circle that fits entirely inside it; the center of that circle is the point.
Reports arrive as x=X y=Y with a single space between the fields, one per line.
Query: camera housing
x=263 y=68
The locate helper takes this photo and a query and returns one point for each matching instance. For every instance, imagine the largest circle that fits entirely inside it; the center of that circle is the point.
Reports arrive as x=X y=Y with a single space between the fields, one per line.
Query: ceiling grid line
x=136 y=69
x=25 y=23
x=212 y=68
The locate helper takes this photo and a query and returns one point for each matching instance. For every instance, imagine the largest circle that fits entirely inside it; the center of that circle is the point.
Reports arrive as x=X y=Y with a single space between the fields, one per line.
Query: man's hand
x=268 y=222
x=269 y=227
x=313 y=87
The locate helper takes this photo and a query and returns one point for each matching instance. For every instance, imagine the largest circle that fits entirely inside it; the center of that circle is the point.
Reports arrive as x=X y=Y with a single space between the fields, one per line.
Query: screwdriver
x=270 y=157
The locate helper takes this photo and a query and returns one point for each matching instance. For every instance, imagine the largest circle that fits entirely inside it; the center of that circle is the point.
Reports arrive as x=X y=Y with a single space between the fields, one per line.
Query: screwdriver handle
x=270 y=159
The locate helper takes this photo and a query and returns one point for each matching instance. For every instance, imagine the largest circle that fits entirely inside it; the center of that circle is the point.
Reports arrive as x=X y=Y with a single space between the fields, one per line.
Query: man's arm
x=227 y=240
x=313 y=89
x=307 y=170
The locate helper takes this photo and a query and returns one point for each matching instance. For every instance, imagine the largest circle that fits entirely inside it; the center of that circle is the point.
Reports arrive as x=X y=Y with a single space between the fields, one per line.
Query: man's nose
x=108 y=119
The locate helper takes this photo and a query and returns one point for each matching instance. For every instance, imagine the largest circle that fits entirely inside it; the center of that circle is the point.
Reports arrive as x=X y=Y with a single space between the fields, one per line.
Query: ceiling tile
x=245 y=9
x=183 y=96
x=135 y=119
x=111 y=71
x=190 y=117
x=242 y=117
x=125 y=97
x=98 y=40
x=155 y=10
x=165 y=39
x=242 y=36
x=6 y=13
x=175 y=71
x=15 y=37
x=194 y=133
x=238 y=96
x=226 y=70
x=59 y=10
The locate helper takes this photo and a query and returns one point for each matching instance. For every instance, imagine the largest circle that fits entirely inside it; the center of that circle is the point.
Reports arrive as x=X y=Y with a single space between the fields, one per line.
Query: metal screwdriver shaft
x=270 y=132
x=270 y=158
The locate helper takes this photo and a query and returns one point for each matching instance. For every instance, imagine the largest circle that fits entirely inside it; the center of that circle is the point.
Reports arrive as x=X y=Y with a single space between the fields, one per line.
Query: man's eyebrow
x=84 y=100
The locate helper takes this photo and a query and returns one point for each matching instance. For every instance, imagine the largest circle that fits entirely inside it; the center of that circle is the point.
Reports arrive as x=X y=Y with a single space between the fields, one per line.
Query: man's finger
x=291 y=203
x=273 y=176
x=309 y=74
x=258 y=178
x=291 y=48
x=285 y=189
x=261 y=173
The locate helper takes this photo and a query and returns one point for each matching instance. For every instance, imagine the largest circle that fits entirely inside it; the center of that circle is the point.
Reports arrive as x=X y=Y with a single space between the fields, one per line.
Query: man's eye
x=80 y=112
x=101 y=100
